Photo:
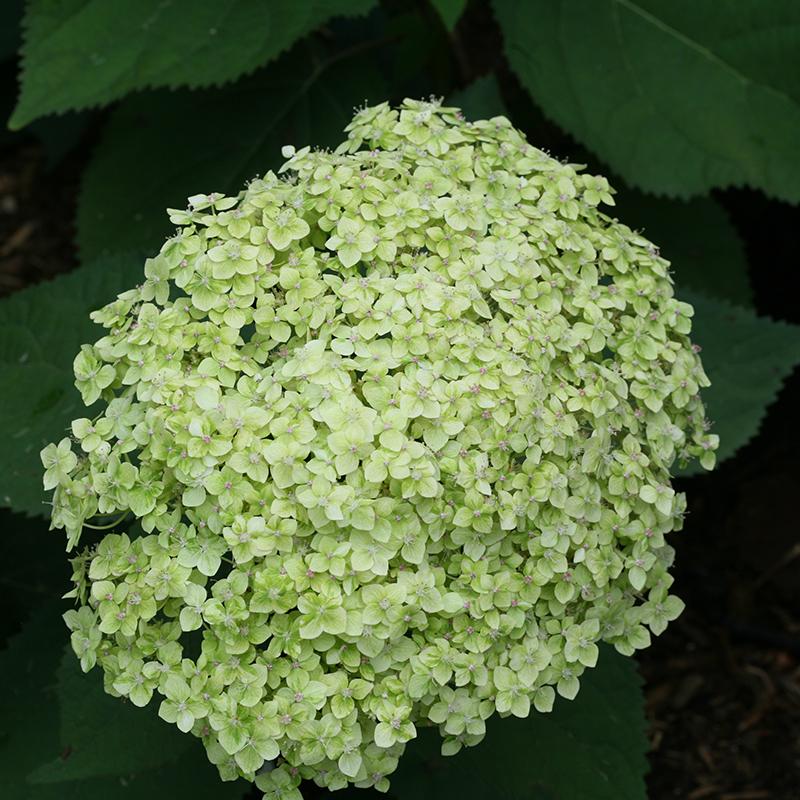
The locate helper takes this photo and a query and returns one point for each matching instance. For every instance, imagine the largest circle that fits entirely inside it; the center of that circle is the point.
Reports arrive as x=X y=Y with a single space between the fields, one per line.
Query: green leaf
x=34 y=568
x=106 y=735
x=450 y=11
x=28 y=711
x=190 y=776
x=83 y=53
x=42 y=683
x=590 y=748
x=481 y=99
x=676 y=97
x=747 y=358
x=697 y=237
x=162 y=147
x=41 y=330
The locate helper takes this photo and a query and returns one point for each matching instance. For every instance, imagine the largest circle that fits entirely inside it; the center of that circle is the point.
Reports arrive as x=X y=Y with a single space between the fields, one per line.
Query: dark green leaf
x=697 y=237
x=42 y=683
x=747 y=358
x=191 y=776
x=162 y=147
x=34 y=570
x=590 y=748
x=41 y=330
x=106 y=735
x=450 y=11
x=419 y=61
x=10 y=19
x=28 y=709
x=82 y=53
x=480 y=100
x=60 y=135
x=676 y=97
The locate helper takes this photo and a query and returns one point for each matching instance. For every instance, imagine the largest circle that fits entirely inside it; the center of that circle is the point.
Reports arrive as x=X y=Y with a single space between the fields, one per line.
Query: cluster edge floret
x=384 y=441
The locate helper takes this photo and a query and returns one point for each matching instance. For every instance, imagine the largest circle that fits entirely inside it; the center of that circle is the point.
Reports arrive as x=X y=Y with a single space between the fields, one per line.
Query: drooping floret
x=386 y=440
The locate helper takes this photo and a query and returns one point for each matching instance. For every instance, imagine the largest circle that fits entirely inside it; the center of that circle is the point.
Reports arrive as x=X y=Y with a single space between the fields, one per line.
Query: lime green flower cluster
x=393 y=435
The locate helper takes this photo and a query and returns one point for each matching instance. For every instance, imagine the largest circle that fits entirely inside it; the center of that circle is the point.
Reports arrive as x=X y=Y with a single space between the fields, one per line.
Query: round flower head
x=387 y=443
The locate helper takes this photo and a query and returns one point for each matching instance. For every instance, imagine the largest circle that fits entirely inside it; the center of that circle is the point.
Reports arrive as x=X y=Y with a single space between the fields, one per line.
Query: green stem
x=108 y=526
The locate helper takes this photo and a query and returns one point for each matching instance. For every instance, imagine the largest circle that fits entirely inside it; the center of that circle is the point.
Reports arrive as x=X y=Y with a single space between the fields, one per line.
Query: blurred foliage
x=676 y=99
x=450 y=11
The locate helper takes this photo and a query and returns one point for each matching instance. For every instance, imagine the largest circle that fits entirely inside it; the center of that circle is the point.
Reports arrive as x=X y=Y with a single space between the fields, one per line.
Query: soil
x=723 y=683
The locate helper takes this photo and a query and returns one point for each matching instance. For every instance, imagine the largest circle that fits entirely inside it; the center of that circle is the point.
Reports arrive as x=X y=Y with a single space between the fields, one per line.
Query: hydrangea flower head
x=383 y=442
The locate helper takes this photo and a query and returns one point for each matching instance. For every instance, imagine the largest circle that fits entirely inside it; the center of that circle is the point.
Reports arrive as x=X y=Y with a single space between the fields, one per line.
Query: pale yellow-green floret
x=389 y=435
